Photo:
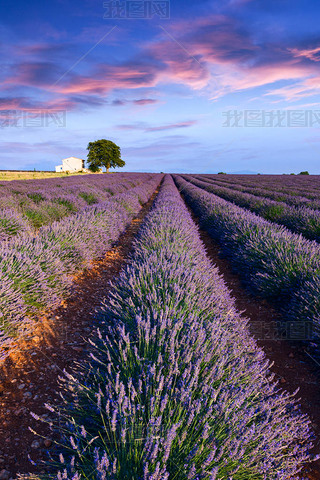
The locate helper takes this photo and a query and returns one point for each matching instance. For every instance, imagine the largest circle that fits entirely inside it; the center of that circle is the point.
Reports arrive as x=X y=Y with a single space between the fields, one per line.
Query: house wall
x=71 y=164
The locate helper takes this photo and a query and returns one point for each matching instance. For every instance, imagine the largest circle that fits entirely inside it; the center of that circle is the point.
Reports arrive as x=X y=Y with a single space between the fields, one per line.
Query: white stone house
x=71 y=164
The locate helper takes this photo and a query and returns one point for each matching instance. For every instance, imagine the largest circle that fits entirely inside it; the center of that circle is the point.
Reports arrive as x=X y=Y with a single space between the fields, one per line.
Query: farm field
x=8 y=175
x=159 y=327
x=300 y=217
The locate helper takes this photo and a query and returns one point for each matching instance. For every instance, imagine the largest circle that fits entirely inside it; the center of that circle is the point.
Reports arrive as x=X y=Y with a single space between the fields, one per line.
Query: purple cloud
x=160 y=128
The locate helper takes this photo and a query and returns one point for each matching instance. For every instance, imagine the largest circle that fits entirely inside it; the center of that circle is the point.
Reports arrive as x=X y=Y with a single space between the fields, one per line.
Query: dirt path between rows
x=292 y=365
x=30 y=377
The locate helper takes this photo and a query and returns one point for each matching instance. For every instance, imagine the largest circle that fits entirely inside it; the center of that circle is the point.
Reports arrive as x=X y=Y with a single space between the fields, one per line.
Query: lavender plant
x=37 y=269
x=175 y=387
x=11 y=224
x=273 y=262
x=294 y=198
x=290 y=189
x=299 y=219
x=29 y=204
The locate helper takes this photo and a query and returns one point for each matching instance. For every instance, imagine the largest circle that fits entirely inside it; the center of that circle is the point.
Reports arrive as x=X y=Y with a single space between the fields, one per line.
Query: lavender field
x=25 y=206
x=275 y=262
x=52 y=228
x=172 y=385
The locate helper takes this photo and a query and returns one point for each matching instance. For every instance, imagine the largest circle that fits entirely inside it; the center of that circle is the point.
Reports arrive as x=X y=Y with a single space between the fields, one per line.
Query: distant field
x=30 y=175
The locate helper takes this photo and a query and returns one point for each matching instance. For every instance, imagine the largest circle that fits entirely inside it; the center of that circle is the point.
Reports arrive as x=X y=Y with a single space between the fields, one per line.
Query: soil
x=293 y=366
x=30 y=376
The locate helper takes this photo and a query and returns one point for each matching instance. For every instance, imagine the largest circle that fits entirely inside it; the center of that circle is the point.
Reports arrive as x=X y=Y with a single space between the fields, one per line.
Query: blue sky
x=161 y=87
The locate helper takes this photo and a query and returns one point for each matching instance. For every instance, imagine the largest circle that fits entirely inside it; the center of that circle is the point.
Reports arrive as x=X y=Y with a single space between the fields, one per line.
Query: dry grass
x=23 y=175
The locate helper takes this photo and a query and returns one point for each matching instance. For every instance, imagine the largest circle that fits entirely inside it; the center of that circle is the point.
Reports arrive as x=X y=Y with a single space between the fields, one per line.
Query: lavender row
x=294 y=198
x=298 y=219
x=308 y=186
x=35 y=271
x=176 y=388
x=274 y=262
x=27 y=205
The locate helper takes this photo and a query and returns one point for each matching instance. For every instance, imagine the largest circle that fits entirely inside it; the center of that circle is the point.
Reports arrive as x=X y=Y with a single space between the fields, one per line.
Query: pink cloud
x=111 y=77
x=145 y=101
x=311 y=53
x=297 y=91
x=217 y=56
x=239 y=78
x=140 y=102
x=160 y=128
x=172 y=126
x=34 y=74
x=28 y=105
x=220 y=57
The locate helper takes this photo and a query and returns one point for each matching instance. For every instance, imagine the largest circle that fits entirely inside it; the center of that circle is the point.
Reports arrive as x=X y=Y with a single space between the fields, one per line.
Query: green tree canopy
x=104 y=153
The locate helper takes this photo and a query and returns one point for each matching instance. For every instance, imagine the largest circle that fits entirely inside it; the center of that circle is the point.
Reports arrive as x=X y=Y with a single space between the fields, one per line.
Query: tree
x=304 y=173
x=104 y=153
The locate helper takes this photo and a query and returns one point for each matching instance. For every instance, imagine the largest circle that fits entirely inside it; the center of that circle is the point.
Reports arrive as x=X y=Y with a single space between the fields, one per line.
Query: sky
x=179 y=85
